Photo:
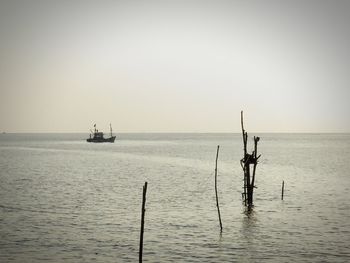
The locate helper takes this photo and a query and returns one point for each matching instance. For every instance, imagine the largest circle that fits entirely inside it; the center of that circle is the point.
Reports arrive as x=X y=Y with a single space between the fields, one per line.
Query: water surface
x=66 y=200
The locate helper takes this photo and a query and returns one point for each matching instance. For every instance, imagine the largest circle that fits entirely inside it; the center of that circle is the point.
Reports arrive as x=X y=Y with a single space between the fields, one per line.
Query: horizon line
x=184 y=132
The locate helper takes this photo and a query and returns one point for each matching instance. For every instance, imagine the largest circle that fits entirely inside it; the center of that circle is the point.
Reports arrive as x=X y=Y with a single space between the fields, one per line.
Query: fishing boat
x=96 y=136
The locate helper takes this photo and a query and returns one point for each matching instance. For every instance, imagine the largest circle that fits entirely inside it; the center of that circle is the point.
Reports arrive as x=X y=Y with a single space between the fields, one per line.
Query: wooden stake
x=244 y=135
x=216 y=189
x=243 y=161
x=143 y=210
x=246 y=161
x=255 y=158
x=282 y=190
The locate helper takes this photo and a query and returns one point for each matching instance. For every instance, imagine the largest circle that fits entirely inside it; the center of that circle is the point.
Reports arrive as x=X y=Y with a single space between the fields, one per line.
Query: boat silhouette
x=96 y=136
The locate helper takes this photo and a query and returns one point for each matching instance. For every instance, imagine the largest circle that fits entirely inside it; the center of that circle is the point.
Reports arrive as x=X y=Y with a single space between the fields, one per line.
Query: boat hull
x=99 y=140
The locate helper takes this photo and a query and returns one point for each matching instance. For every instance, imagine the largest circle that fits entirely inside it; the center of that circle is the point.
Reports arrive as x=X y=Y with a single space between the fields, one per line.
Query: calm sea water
x=65 y=200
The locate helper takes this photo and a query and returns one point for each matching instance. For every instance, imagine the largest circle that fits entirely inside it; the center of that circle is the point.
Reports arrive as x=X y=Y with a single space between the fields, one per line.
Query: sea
x=65 y=200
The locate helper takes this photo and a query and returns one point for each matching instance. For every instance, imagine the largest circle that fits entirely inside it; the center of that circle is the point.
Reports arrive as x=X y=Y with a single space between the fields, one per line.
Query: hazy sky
x=174 y=66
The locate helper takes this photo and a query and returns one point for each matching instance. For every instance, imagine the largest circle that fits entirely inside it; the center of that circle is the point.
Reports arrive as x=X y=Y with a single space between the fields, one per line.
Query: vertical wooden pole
x=282 y=190
x=255 y=163
x=243 y=161
x=249 y=185
x=143 y=210
x=248 y=159
x=216 y=189
x=244 y=135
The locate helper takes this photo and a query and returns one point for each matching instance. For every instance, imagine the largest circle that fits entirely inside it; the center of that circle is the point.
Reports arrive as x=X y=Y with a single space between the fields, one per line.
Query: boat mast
x=110 y=126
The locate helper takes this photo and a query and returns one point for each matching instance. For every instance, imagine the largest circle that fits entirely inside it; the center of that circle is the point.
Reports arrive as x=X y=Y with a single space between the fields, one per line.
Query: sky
x=174 y=66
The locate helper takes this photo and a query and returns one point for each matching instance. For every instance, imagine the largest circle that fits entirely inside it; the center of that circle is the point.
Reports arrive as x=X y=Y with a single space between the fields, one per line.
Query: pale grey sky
x=174 y=66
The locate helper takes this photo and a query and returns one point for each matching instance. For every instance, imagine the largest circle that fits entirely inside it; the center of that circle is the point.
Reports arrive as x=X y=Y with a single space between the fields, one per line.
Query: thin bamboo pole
x=246 y=162
x=216 y=188
x=143 y=210
x=243 y=161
